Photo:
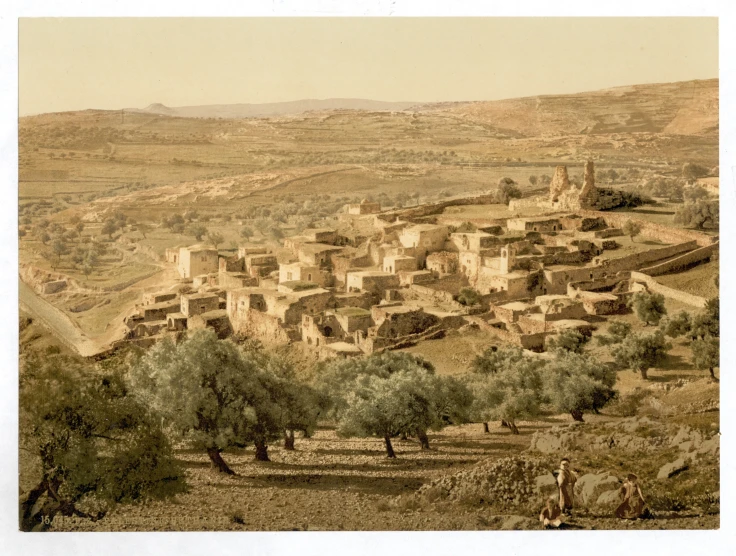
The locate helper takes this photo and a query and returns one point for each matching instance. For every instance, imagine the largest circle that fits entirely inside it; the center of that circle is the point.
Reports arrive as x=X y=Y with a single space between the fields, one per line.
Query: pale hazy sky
x=71 y=64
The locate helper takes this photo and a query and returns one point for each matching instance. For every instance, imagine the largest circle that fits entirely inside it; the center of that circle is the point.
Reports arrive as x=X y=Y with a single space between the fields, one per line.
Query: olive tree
x=506 y=190
x=94 y=444
x=707 y=322
x=701 y=214
x=649 y=307
x=631 y=229
x=707 y=354
x=568 y=341
x=211 y=393
x=510 y=394
x=197 y=230
x=299 y=406
x=215 y=239
x=390 y=394
x=574 y=383
x=676 y=326
x=468 y=297
x=617 y=333
x=692 y=171
x=640 y=352
x=495 y=359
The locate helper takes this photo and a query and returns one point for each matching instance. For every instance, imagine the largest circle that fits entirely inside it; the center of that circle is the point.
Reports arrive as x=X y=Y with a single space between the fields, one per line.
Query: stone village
x=397 y=281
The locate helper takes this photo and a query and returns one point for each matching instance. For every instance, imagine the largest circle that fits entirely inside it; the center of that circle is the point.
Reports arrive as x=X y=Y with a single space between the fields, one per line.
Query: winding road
x=57 y=322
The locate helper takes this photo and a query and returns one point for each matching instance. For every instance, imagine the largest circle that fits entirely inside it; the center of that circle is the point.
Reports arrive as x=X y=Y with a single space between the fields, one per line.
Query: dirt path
x=56 y=321
x=69 y=332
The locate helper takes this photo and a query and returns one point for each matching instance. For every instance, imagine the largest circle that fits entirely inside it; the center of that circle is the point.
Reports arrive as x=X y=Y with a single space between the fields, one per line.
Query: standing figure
x=551 y=516
x=633 y=505
x=566 y=479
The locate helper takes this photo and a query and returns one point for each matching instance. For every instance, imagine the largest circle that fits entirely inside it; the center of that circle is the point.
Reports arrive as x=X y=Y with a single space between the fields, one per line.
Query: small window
x=309 y=277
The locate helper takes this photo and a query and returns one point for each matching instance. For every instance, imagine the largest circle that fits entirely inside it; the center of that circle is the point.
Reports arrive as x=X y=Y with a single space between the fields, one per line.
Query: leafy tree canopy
x=649 y=307
x=568 y=341
x=96 y=446
x=575 y=383
x=212 y=393
x=640 y=352
x=707 y=354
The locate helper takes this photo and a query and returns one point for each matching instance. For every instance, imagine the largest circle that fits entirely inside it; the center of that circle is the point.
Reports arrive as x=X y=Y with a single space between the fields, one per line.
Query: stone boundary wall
x=670 y=293
x=652 y=230
x=432 y=293
x=636 y=260
x=435 y=208
x=527 y=202
x=602 y=284
x=680 y=263
x=525 y=341
x=128 y=283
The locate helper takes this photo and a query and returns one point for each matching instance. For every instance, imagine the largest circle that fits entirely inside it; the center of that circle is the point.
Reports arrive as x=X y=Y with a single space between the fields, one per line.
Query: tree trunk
x=389 y=448
x=504 y=423
x=261 y=451
x=218 y=462
x=643 y=373
x=485 y=428
x=289 y=440
x=577 y=415
x=423 y=439
x=514 y=429
x=712 y=374
x=306 y=434
x=28 y=519
x=403 y=436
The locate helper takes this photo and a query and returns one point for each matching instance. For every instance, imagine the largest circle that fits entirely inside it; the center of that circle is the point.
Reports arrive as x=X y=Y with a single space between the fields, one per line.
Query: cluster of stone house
x=175 y=312
x=533 y=276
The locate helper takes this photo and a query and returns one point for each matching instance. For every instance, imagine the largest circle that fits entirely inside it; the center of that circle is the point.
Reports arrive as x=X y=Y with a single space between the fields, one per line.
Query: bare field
x=699 y=280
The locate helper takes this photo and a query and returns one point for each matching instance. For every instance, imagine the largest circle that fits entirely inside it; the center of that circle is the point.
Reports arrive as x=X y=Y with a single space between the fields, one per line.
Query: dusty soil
x=334 y=484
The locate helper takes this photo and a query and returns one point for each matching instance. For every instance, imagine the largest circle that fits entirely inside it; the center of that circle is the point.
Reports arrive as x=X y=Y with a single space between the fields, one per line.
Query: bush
x=628 y=405
x=568 y=341
x=468 y=297
x=507 y=189
x=701 y=214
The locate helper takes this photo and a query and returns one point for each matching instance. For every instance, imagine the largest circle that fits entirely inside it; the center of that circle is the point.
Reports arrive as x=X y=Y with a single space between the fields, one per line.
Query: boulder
x=545 y=443
x=545 y=485
x=673 y=468
x=608 y=501
x=590 y=486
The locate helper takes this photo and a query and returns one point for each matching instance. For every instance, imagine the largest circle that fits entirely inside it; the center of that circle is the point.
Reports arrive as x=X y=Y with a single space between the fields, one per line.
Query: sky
x=113 y=63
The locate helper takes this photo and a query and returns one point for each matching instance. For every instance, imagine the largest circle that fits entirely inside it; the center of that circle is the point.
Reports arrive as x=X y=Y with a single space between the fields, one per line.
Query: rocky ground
x=468 y=481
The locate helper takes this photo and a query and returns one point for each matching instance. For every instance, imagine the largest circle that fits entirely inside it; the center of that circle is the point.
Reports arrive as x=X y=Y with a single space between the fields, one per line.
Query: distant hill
x=274 y=108
x=682 y=108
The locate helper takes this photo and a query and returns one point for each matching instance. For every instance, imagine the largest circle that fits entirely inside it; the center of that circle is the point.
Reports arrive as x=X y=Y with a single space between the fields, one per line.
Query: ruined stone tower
x=588 y=192
x=559 y=184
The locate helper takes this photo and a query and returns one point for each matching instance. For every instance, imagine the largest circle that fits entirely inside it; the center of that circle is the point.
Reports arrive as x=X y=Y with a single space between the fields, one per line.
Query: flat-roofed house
x=196 y=260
